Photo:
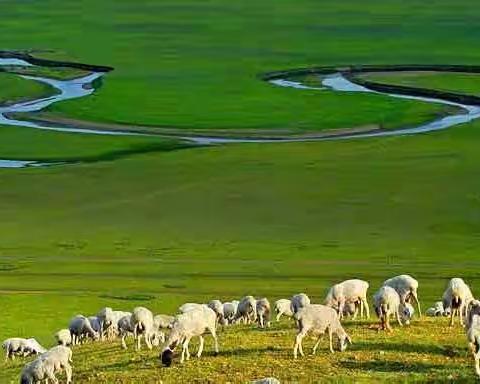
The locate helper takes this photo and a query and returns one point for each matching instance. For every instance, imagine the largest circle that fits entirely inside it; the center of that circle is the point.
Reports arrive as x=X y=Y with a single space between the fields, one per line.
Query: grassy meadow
x=139 y=222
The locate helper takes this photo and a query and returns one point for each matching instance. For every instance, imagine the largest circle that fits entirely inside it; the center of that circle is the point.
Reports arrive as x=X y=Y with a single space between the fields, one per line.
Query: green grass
x=52 y=73
x=15 y=89
x=465 y=83
x=222 y=222
x=195 y=65
x=35 y=144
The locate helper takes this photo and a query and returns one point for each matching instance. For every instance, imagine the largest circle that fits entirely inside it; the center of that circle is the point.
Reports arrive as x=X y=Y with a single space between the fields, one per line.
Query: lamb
x=457 y=297
x=17 y=346
x=217 y=307
x=143 y=324
x=80 y=329
x=436 y=310
x=407 y=287
x=283 y=307
x=387 y=303
x=188 y=325
x=317 y=319
x=229 y=311
x=473 y=333
x=348 y=291
x=247 y=310
x=46 y=365
x=64 y=337
x=298 y=301
x=263 y=312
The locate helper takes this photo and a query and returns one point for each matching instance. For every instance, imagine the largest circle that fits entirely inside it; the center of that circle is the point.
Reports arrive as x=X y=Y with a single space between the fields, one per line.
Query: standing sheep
x=188 y=325
x=64 y=337
x=143 y=325
x=46 y=365
x=348 y=291
x=163 y=321
x=229 y=311
x=247 y=310
x=457 y=297
x=387 y=303
x=317 y=319
x=80 y=329
x=283 y=307
x=17 y=346
x=406 y=287
x=298 y=301
x=263 y=312
x=473 y=333
x=217 y=307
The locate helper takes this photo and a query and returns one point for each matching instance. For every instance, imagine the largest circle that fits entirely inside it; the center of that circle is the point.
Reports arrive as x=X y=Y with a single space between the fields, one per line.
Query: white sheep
x=457 y=297
x=187 y=307
x=217 y=307
x=247 y=310
x=318 y=319
x=187 y=325
x=163 y=321
x=348 y=291
x=436 y=310
x=143 y=325
x=46 y=365
x=63 y=337
x=387 y=303
x=126 y=327
x=283 y=307
x=81 y=329
x=406 y=287
x=229 y=311
x=473 y=333
x=95 y=322
x=298 y=301
x=17 y=346
x=263 y=312
x=108 y=320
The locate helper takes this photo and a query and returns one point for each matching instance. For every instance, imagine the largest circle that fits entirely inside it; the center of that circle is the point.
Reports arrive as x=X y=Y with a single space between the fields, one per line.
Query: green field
x=14 y=89
x=147 y=221
x=465 y=83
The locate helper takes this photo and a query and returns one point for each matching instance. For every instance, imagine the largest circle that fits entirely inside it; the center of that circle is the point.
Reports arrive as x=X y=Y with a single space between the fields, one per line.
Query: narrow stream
x=82 y=87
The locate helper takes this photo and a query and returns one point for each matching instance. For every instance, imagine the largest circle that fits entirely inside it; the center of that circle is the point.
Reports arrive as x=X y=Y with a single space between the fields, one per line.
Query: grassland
x=465 y=83
x=15 y=89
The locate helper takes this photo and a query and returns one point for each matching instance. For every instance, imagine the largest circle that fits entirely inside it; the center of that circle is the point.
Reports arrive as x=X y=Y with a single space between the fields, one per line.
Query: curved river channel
x=82 y=87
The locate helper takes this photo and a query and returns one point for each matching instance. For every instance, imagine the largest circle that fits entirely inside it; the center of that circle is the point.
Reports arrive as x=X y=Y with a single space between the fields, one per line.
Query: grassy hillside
x=190 y=64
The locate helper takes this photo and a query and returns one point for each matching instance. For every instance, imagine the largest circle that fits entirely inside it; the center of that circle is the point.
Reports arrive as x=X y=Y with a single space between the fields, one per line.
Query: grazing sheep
x=108 y=320
x=217 y=307
x=229 y=311
x=457 y=297
x=95 y=322
x=17 y=346
x=350 y=309
x=283 y=307
x=187 y=307
x=81 y=329
x=126 y=327
x=473 y=333
x=163 y=321
x=247 y=310
x=436 y=310
x=348 y=291
x=387 y=303
x=188 y=325
x=263 y=312
x=143 y=324
x=298 y=301
x=407 y=288
x=64 y=337
x=46 y=365
x=317 y=319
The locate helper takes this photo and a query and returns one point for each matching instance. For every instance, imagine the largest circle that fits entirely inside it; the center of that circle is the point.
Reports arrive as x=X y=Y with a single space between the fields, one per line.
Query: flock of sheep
x=348 y=298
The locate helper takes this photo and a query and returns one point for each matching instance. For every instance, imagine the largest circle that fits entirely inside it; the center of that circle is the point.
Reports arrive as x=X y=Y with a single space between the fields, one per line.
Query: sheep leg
x=182 y=358
x=200 y=347
x=316 y=345
x=365 y=305
x=330 y=339
x=460 y=313
x=398 y=317
x=279 y=314
x=68 y=373
x=298 y=344
x=477 y=364
x=187 y=351
x=139 y=341
x=124 y=344
x=148 y=341
x=452 y=314
x=418 y=305
x=262 y=324
x=215 y=339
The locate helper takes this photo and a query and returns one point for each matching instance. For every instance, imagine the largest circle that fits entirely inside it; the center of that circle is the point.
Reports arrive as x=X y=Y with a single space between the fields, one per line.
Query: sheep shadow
x=390 y=366
x=442 y=350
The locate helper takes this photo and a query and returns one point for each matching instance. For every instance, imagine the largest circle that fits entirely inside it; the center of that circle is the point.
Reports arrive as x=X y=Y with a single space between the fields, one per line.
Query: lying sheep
x=406 y=287
x=473 y=333
x=283 y=307
x=17 y=346
x=47 y=365
x=457 y=297
x=187 y=325
x=436 y=310
x=263 y=312
x=143 y=325
x=81 y=329
x=217 y=307
x=387 y=303
x=247 y=310
x=126 y=327
x=298 y=301
x=317 y=319
x=348 y=291
x=64 y=337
